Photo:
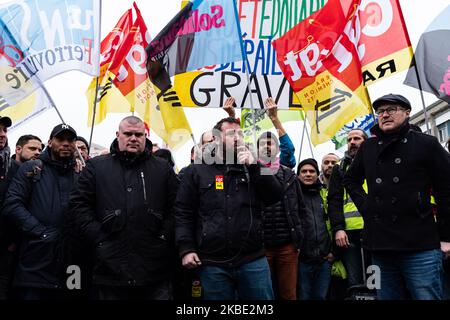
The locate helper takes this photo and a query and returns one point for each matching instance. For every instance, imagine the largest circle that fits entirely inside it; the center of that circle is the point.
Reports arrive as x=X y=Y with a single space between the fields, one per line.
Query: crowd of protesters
x=242 y=221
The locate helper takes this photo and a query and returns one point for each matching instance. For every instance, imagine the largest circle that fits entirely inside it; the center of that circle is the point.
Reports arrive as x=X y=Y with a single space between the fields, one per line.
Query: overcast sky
x=68 y=89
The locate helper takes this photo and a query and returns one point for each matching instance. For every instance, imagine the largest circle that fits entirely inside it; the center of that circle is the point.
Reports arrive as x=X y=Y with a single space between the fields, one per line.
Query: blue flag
x=53 y=37
x=203 y=33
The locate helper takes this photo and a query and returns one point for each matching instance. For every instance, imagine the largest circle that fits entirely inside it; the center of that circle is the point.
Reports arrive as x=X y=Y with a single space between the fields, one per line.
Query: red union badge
x=219 y=182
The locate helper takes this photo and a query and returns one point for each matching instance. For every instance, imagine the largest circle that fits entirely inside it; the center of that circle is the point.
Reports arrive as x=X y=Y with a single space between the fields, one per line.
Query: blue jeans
x=314 y=280
x=250 y=281
x=416 y=273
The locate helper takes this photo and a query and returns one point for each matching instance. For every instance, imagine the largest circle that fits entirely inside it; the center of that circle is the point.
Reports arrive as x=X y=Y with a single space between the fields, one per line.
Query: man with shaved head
x=123 y=208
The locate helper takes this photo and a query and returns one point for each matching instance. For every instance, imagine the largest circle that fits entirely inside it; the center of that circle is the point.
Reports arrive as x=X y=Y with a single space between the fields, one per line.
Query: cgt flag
x=203 y=33
x=432 y=58
x=109 y=98
x=131 y=79
x=320 y=61
x=384 y=47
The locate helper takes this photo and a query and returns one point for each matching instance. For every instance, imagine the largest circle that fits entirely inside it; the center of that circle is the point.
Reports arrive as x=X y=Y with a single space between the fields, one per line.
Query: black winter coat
x=122 y=207
x=36 y=203
x=401 y=168
x=223 y=225
x=316 y=241
x=335 y=201
x=281 y=220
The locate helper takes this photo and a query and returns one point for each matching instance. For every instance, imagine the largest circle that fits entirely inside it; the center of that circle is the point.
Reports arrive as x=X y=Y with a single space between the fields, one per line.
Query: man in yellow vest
x=346 y=222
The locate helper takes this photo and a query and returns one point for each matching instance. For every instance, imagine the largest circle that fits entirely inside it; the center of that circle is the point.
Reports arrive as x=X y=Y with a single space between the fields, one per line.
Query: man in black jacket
x=401 y=166
x=28 y=147
x=36 y=201
x=218 y=219
x=122 y=207
x=346 y=222
x=315 y=254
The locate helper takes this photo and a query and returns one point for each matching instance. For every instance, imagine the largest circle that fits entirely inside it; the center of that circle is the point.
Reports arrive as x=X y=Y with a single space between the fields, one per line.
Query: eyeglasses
x=390 y=110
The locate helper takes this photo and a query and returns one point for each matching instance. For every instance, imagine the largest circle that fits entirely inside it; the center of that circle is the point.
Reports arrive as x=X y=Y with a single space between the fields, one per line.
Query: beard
x=352 y=151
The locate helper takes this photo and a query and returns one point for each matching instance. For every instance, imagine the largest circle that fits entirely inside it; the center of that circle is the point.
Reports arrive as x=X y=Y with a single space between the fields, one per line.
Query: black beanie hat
x=310 y=161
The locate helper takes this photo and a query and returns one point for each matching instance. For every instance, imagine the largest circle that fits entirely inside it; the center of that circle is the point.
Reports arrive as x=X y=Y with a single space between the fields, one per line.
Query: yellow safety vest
x=353 y=219
x=337 y=269
x=324 y=196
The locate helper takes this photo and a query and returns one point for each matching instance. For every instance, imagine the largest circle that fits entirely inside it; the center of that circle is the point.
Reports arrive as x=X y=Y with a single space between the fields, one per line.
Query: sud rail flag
x=203 y=33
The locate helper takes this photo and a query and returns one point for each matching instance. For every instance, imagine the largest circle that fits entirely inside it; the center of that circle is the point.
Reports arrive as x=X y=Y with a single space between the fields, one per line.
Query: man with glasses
x=401 y=166
x=123 y=208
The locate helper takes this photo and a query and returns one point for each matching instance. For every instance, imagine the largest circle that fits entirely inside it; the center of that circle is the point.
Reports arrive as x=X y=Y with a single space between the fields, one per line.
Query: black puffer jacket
x=123 y=207
x=36 y=204
x=400 y=169
x=281 y=220
x=222 y=223
x=316 y=242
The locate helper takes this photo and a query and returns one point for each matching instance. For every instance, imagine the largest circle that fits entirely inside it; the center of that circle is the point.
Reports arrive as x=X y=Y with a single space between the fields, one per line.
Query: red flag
x=131 y=78
x=320 y=60
x=108 y=98
x=384 y=45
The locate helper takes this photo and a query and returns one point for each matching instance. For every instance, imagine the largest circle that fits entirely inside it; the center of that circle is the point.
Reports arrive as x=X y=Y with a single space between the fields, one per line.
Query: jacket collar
x=315 y=187
x=400 y=133
x=61 y=166
x=128 y=158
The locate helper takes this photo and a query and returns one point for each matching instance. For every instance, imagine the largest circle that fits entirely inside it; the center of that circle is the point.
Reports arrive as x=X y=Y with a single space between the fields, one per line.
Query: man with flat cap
x=36 y=201
x=401 y=167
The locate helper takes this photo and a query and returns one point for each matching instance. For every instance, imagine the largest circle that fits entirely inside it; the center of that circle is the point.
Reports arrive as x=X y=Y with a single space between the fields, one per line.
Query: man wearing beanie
x=401 y=166
x=315 y=258
x=35 y=203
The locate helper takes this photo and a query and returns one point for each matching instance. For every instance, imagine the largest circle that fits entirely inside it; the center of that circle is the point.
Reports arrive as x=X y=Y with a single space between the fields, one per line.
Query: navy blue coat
x=36 y=205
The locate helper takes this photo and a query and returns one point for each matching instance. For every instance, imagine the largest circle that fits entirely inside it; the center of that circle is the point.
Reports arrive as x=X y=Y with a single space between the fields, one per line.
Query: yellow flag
x=334 y=109
x=168 y=120
x=109 y=99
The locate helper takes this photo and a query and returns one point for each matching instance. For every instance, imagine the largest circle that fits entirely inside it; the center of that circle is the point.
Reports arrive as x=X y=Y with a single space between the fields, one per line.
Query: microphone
x=247 y=175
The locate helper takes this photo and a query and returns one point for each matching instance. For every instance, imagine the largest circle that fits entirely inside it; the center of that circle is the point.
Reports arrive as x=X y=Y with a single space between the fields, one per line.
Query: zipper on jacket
x=143 y=186
x=108 y=217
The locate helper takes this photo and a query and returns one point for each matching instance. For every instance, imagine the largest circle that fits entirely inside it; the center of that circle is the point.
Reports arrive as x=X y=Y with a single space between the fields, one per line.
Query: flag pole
x=193 y=139
x=247 y=66
x=309 y=140
x=94 y=111
x=421 y=96
x=415 y=69
x=49 y=97
x=302 y=138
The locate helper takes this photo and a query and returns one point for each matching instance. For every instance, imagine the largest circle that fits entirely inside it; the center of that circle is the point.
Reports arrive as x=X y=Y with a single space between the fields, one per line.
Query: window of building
x=443 y=130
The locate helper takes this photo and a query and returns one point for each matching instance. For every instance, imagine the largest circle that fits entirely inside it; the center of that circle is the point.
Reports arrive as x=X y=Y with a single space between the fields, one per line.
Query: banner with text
x=261 y=22
x=55 y=37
